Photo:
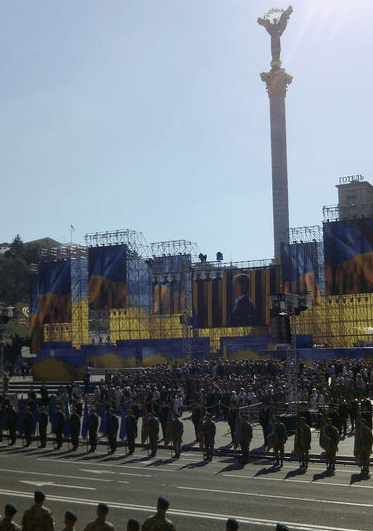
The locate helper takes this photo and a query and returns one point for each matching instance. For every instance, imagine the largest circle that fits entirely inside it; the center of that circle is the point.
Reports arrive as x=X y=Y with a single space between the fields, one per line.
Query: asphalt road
x=202 y=495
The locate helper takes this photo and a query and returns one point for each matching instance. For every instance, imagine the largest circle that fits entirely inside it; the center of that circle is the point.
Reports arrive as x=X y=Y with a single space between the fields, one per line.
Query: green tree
x=14 y=281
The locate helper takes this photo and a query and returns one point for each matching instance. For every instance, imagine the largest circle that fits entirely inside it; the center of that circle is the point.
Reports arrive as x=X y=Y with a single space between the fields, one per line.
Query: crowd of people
x=334 y=397
x=39 y=518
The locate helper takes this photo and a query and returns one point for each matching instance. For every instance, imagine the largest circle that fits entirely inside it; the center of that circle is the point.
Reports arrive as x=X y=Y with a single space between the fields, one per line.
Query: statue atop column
x=276 y=28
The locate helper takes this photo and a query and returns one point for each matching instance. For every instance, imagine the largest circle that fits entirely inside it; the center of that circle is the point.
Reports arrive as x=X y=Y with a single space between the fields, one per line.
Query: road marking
x=51 y=484
x=308 y=482
x=137 y=475
x=52 y=475
x=97 y=471
x=195 y=514
x=275 y=496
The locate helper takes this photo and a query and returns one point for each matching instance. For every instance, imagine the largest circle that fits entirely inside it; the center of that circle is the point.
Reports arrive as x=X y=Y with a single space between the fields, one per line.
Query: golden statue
x=276 y=28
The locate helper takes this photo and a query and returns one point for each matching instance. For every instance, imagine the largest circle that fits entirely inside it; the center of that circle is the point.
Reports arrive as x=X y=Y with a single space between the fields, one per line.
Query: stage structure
x=171 y=269
x=118 y=286
x=59 y=304
x=340 y=313
x=216 y=310
x=277 y=81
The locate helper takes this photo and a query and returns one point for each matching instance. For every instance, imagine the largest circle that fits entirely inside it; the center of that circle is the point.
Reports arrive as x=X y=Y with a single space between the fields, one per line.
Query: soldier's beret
x=103 y=507
x=39 y=496
x=282 y=527
x=71 y=516
x=10 y=508
x=133 y=525
x=163 y=503
x=232 y=524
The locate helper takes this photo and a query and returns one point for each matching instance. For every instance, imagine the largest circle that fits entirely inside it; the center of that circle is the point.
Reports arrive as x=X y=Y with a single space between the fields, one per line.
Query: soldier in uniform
x=69 y=521
x=209 y=431
x=7 y=524
x=131 y=428
x=177 y=430
x=159 y=522
x=329 y=439
x=153 y=433
x=60 y=421
x=75 y=428
x=12 y=423
x=37 y=517
x=112 y=431
x=43 y=424
x=27 y=425
x=279 y=439
x=245 y=436
x=363 y=443
x=100 y=524
x=92 y=428
x=302 y=442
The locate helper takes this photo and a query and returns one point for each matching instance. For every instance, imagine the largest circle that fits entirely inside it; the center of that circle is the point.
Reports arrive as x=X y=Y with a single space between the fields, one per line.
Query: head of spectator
x=70 y=520
x=231 y=525
x=162 y=505
x=102 y=512
x=133 y=525
x=9 y=512
x=39 y=497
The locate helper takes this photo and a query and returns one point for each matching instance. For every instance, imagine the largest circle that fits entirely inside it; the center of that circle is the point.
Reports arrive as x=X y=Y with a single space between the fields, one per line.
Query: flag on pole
x=72 y=227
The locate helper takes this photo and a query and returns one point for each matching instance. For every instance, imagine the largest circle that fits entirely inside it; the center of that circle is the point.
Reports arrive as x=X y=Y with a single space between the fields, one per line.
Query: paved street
x=202 y=495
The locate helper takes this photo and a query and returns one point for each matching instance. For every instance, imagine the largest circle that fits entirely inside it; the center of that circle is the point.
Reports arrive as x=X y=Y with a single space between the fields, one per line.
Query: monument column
x=277 y=81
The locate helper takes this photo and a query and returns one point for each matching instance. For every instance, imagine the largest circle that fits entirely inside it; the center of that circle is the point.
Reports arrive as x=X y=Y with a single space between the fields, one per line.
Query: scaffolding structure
x=75 y=331
x=343 y=212
x=133 y=320
x=171 y=263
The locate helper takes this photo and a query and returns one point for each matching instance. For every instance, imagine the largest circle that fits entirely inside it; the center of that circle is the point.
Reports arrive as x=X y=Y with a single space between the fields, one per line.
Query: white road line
x=52 y=475
x=137 y=475
x=179 y=512
x=51 y=484
x=275 y=496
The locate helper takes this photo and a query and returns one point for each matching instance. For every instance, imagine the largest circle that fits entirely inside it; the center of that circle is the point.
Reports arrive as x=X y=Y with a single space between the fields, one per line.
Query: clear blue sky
x=150 y=115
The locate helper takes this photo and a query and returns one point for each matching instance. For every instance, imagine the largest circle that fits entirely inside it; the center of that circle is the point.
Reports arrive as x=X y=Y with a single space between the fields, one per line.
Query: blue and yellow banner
x=107 y=277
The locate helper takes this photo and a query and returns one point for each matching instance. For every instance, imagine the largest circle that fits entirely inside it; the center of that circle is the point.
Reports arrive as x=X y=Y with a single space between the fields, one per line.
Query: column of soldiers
x=39 y=518
x=335 y=423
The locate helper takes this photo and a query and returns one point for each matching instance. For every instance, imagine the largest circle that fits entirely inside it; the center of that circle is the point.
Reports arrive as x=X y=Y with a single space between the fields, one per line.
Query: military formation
x=75 y=423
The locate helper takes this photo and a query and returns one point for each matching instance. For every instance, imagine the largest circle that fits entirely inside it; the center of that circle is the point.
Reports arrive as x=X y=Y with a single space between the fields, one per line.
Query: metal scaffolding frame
x=310 y=234
x=169 y=325
x=76 y=330
x=343 y=212
x=133 y=321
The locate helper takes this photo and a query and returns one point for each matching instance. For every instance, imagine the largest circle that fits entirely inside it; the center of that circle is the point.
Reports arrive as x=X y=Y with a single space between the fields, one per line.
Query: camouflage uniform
x=99 y=525
x=158 y=522
x=37 y=518
x=6 y=525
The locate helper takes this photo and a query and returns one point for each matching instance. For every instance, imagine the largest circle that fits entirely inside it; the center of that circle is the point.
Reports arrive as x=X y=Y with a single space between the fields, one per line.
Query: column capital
x=277 y=81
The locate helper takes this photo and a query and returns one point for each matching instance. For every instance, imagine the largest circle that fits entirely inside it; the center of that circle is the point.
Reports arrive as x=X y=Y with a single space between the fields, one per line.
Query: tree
x=14 y=281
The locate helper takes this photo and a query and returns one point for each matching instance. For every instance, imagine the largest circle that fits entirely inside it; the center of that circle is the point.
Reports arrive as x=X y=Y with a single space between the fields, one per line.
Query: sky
x=150 y=115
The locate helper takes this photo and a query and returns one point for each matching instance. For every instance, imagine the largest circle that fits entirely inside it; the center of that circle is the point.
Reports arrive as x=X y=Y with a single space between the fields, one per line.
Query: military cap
x=71 y=516
x=133 y=525
x=232 y=524
x=163 y=503
x=103 y=507
x=282 y=527
x=39 y=496
x=10 y=508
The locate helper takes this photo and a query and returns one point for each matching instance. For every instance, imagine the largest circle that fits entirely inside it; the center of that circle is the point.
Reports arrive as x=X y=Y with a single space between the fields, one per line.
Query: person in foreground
x=159 y=522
